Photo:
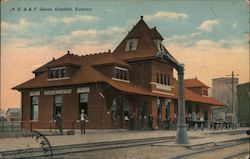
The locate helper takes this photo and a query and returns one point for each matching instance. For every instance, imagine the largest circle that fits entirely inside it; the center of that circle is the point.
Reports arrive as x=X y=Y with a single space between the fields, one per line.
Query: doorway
x=119 y=111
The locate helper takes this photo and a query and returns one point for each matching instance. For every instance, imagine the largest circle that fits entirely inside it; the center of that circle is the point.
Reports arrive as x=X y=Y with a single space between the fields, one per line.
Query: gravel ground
x=222 y=152
x=139 y=152
x=155 y=152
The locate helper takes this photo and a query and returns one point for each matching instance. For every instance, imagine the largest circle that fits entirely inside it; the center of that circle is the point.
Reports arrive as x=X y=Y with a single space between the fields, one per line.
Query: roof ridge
x=97 y=53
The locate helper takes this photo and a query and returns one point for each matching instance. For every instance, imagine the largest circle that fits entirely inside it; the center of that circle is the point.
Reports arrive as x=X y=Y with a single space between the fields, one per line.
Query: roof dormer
x=131 y=44
x=158 y=44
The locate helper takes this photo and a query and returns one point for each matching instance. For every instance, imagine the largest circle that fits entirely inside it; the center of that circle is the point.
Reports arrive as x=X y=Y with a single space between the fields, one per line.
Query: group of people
x=59 y=122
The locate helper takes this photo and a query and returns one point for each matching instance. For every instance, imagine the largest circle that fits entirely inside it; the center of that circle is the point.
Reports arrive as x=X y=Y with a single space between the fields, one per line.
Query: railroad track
x=242 y=154
x=77 y=148
x=218 y=146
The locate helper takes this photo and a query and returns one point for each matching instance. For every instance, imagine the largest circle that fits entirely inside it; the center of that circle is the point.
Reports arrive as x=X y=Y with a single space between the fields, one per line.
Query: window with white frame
x=162 y=78
x=58 y=72
x=83 y=102
x=57 y=105
x=34 y=111
x=158 y=44
x=131 y=44
x=121 y=73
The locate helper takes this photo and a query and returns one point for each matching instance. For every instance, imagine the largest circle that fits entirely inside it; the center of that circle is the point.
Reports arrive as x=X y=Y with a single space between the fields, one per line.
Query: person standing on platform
x=59 y=123
x=150 y=122
x=83 y=118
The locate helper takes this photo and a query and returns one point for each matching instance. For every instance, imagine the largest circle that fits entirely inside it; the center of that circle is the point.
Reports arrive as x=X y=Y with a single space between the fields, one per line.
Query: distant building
x=222 y=91
x=13 y=114
x=243 y=92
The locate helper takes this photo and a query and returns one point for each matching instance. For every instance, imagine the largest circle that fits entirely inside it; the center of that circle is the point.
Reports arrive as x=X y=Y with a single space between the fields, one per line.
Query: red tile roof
x=191 y=83
x=145 y=47
x=87 y=74
x=194 y=97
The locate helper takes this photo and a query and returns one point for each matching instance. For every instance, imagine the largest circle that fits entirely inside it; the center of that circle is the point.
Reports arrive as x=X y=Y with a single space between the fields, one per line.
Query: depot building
x=116 y=89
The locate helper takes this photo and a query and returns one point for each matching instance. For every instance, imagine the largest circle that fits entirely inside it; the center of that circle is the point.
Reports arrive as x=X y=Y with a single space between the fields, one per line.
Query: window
x=34 y=108
x=167 y=104
x=131 y=44
x=125 y=109
x=59 y=72
x=57 y=104
x=165 y=79
x=121 y=73
x=159 y=109
x=204 y=92
x=157 y=78
x=158 y=44
x=168 y=80
x=83 y=102
x=161 y=78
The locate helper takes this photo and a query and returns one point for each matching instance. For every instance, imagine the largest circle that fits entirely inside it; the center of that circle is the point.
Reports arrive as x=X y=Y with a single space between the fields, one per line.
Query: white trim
x=121 y=68
x=162 y=86
x=58 y=68
x=34 y=93
x=34 y=120
x=55 y=79
x=121 y=80
x=170 y=94
x=83 y=90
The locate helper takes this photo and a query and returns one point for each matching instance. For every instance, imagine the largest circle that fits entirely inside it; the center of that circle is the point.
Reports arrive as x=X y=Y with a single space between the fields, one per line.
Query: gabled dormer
x=137 y=44
x=157 y=38
x=140 y=43
x=131 y=44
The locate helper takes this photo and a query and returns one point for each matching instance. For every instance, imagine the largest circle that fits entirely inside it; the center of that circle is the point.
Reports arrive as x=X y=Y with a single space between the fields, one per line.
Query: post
x=2 y=126
x=181 y=135
x=12 y=127
x=73 y=125
x=233 y=103
x=30 y=125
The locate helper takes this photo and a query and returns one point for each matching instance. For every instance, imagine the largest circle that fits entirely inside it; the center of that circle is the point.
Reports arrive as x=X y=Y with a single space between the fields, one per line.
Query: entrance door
x=119 y=111
x=159 y=112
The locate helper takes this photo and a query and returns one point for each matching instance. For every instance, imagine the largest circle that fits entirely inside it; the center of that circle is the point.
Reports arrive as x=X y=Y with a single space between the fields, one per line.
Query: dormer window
x=158 y=44
x=58 y=73
x=131 y=44
x=121 y=74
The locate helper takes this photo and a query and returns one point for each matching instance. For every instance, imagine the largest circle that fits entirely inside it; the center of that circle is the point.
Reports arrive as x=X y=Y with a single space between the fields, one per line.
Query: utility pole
x=233 y=94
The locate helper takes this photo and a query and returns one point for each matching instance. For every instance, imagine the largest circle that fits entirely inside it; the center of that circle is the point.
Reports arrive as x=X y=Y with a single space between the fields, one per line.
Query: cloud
x=22 y=25
x=72 y=19
x=83 y=36
x=195 y=34
x=167 y=16
x=177 y=37
x=235 y=25
x=208 y=25
x=208 y=59
x=109 y=10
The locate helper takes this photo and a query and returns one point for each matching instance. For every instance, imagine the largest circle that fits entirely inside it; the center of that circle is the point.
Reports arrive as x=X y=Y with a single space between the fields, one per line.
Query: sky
x=210 y=37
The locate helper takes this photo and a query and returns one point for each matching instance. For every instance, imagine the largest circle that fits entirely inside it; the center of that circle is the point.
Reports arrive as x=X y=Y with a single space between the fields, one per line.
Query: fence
x=16 y=126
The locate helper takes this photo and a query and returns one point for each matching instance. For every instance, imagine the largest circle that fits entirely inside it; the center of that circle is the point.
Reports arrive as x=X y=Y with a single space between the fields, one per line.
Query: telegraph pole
x=233 y=94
